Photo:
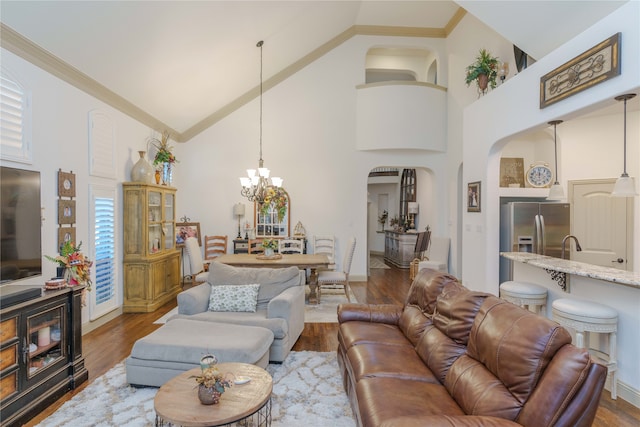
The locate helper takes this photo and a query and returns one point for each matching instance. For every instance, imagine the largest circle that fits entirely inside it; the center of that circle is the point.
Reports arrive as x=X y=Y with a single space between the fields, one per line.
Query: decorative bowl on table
x=55 y=284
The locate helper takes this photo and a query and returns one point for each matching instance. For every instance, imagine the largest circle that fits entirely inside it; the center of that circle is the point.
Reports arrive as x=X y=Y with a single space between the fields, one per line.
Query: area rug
x=376 y=261
x=307 y=391
x=325 y=312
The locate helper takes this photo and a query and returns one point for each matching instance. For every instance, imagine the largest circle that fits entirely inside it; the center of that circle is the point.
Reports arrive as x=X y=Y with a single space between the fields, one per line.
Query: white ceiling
x=182 y=61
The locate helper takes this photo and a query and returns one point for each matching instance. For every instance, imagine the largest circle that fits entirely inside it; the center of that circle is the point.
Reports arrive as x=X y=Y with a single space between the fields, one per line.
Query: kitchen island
x=615 y=288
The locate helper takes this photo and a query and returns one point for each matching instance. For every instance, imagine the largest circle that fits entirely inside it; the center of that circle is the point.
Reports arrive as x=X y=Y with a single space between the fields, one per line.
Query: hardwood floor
x=111 y=343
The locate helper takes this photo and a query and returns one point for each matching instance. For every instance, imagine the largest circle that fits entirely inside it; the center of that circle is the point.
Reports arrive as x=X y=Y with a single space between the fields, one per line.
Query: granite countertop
x=622 y=277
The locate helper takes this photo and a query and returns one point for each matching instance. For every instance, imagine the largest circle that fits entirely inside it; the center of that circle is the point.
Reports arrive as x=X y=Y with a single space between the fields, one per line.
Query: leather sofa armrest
x=448 y=421
x=374 y=313
x=194 y=300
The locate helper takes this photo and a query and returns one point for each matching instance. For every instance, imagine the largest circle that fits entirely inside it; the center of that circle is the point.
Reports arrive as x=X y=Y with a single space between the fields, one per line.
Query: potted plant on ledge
x=483 y=71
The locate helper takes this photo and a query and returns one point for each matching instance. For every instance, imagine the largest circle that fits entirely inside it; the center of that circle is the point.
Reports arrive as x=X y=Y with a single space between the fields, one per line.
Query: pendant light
x=555 y=192
x=255 y=186
x=625 y=187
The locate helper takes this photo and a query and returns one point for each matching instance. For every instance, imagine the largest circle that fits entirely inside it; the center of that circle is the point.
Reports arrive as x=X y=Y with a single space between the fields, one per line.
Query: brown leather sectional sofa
x=454 y=357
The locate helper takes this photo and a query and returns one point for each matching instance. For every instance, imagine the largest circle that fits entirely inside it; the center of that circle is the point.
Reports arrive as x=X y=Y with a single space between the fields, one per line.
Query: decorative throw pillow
x=234 y=298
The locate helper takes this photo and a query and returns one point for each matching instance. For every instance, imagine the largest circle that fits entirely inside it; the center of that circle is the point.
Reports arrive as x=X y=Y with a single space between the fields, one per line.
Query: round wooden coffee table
x=177 y=403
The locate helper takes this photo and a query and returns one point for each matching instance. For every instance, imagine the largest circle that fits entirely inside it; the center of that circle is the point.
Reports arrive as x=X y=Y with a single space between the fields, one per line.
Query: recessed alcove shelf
x=536 y=193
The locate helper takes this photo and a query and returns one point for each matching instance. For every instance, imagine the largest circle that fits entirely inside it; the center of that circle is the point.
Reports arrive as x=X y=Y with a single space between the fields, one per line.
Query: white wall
x=60 y=115
x=505 y=114
x=309 y=140
x=514 y=110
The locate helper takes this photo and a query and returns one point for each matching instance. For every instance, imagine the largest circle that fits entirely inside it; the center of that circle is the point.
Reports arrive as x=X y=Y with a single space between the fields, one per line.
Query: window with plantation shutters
x=15 y=112
x=104 y=297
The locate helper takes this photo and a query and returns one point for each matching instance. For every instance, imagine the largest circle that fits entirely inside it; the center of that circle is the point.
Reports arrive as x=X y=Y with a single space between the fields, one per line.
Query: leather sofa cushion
x=438 y=352
x=383 y=399
x=456 y=309
x=373 y=360
x=425 y=289
x=514 y=344
x=508 y=349
x=413 y=323
x=356 y=333
x=553 y=400
x=378 y=313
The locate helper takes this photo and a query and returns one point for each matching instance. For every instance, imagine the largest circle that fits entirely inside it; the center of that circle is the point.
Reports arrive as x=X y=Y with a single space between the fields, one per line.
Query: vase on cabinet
x=142 y=171
x=167 y=173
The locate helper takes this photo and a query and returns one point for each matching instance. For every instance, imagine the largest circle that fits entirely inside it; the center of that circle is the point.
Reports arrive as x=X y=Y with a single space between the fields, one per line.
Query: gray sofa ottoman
x=178 y=346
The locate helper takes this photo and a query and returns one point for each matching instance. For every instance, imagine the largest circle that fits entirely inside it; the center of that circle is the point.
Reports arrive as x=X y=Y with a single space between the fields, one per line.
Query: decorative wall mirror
x=266 y=220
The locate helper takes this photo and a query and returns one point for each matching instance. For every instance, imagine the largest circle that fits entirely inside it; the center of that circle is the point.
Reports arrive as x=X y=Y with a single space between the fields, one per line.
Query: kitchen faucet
x=564 y=241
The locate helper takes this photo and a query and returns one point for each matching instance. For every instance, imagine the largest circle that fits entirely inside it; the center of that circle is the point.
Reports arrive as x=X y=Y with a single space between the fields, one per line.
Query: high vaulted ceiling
x=182 y=65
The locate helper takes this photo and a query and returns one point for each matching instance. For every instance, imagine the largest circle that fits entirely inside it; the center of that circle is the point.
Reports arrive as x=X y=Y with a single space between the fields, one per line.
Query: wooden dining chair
x=214 y=246
x=339 y=277
x=326 y=245
x=255 y=246
x=290 y=246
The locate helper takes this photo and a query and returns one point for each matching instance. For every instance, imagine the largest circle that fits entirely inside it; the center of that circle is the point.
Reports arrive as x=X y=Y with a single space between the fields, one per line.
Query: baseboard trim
x=626 y=392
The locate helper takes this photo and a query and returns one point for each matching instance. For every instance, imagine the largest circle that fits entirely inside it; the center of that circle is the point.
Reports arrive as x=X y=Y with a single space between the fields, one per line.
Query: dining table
x=313 y=262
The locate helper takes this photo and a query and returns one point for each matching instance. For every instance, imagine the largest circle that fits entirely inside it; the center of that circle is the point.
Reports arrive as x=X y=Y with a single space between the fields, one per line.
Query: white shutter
x=104 y=295
x=15 y=112
x=101 y=145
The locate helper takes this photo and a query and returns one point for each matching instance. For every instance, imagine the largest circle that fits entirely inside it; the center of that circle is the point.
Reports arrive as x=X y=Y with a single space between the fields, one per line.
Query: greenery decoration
x=485 y=64
x=164 y=154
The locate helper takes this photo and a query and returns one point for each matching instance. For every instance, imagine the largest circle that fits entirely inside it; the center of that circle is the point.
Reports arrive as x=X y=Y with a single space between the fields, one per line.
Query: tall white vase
x=142 y=171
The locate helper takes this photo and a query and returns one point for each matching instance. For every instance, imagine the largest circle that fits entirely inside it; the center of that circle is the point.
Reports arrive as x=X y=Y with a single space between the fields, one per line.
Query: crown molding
x=29 y=51
x=454 y=21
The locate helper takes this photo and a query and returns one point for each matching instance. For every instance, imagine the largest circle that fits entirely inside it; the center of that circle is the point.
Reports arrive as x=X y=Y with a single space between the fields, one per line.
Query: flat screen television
x=20 y=224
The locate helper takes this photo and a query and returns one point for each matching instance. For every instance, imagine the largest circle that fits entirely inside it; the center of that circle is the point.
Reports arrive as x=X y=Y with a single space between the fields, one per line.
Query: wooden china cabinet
x=151 y=260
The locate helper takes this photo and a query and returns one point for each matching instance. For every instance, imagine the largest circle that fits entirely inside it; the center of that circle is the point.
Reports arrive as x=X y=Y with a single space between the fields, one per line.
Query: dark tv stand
x=41 y=353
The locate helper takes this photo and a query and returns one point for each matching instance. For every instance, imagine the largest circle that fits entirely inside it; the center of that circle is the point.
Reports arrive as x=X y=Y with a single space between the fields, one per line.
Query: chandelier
x=256 y=185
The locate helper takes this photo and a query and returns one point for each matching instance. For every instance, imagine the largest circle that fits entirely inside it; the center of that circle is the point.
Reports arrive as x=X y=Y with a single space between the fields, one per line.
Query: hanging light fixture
x=555 y=192
x=625 y=187
x=255 y=185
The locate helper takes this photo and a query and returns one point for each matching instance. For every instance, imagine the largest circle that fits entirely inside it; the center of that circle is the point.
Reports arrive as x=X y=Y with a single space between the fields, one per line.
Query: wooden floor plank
x=111 y=343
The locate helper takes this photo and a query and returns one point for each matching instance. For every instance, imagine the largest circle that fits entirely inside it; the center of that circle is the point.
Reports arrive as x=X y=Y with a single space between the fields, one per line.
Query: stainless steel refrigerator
x=532 y=227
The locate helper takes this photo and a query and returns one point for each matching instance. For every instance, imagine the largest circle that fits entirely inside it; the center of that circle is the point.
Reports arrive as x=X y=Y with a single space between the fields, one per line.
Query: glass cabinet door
x=155 y=221
x=45 y=336
x=168 y=225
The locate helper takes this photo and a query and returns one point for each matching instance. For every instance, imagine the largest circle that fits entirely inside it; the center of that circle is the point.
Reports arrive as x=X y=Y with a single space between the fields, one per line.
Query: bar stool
x=585 y=317
x=529 y=295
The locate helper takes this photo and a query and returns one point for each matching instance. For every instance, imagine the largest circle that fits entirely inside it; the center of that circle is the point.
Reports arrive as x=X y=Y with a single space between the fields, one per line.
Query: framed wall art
x=66 y=184
x=512 y=172
x=187 y=229
x=66 y=234
x=66 y=211
x=596 y=65
x=473 y=197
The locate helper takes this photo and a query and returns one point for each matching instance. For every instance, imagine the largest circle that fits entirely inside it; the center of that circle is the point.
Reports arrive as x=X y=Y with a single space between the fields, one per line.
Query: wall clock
x=539 y=175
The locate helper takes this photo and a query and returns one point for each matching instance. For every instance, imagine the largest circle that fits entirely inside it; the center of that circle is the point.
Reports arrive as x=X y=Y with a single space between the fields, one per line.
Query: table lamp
x=238 y=210
x=413 y=208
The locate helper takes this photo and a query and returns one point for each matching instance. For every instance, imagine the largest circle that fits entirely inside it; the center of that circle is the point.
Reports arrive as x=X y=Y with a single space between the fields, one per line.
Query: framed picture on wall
x=473 y=197
x=66 y=184
x=66 y=234
x=512 y=172
x=66 y=211
x=187 y=229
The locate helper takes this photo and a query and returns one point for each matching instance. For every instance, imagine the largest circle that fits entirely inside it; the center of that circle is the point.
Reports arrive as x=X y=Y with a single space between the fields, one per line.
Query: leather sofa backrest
x=508 y=351
x=426 y=287
x=421 y=301
x=443 y=343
